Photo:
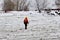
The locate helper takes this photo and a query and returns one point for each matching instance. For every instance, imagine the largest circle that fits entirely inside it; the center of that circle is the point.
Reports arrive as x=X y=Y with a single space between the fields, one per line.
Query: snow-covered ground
x=41 y=26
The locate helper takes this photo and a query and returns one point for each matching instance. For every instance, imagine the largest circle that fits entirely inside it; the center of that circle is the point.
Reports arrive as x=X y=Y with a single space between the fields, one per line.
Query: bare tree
x=8 y=5
x=17 y=4
x=57 y=2
x=20 y=4
x=38 y=5
x=42 y=5
x=26 y=8
x=23 y=6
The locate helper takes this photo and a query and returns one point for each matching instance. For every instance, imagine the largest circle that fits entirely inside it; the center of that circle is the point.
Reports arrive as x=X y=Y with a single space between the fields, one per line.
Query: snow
x=41 y=26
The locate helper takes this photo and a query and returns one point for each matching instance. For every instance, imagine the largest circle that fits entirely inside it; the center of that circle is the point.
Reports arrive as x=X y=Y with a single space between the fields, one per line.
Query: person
x=26 y=22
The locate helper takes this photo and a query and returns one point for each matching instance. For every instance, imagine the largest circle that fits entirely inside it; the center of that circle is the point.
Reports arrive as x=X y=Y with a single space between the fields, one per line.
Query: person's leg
x=25 y=26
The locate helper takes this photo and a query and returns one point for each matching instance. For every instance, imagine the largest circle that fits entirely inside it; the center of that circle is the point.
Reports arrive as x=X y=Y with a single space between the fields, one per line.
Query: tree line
x=20 y=5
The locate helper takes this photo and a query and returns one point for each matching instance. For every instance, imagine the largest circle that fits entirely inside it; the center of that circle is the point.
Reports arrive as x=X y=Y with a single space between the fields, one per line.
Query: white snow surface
x=41 y=26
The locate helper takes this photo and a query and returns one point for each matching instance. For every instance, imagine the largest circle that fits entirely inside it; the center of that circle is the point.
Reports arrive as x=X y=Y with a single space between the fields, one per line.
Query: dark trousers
x=25 y=26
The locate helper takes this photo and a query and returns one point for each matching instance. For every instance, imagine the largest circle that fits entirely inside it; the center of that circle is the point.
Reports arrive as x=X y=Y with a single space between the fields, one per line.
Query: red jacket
x=26 y=20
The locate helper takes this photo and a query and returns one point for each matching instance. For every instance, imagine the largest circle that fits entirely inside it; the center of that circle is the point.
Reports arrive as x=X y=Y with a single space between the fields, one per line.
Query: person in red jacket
x=26 y=22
